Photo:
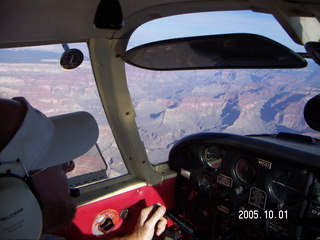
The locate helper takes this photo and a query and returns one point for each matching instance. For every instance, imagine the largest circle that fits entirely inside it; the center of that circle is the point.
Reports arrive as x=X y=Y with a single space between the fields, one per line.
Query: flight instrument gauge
x=287 y=187
x=245 y=170
x=212 y=157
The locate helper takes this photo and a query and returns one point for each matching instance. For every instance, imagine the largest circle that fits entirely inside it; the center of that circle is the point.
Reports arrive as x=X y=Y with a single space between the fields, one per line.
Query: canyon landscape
x=168 y=105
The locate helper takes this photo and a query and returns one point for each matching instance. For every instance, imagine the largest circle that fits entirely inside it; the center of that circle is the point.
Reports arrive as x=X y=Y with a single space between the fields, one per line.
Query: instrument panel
x=241 y=187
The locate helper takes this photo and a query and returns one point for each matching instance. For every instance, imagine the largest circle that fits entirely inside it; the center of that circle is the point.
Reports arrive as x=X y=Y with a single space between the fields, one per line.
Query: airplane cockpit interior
x=208 y=107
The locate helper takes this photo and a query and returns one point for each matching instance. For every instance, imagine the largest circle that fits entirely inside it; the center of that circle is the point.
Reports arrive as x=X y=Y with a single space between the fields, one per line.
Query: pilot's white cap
x=43 y=142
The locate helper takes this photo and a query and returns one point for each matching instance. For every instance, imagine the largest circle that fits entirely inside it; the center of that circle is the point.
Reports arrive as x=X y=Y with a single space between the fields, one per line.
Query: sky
x=212 y=23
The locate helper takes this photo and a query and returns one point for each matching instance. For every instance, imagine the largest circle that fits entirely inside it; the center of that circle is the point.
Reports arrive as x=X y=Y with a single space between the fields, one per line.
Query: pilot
x=35 y=154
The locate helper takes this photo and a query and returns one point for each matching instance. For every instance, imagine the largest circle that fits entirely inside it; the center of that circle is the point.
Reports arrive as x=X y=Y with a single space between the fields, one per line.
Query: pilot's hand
x=149 y=223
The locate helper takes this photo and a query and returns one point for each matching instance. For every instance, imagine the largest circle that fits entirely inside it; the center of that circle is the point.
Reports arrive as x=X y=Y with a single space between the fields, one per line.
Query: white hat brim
x=74 y=135
x=43 y=142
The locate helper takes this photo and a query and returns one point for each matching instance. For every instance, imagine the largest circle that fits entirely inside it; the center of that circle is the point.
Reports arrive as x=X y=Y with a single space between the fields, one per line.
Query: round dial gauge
x=212 y=157
x=287 y=187
x=207 y=185
x=71 y=59
x=245 y=170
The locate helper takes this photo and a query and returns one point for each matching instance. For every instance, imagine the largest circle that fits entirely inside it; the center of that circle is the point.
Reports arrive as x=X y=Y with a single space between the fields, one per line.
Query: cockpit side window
x=35 y=73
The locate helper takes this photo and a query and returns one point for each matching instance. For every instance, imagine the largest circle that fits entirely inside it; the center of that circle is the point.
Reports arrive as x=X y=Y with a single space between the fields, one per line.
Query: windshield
x=171 y=105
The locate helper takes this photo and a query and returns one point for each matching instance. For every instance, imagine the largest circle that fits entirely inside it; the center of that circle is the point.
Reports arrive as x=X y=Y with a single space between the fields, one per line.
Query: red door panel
x=133 y=201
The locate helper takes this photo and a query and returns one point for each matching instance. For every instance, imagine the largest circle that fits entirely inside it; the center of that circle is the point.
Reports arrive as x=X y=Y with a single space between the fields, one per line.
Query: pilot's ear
x=20 y=211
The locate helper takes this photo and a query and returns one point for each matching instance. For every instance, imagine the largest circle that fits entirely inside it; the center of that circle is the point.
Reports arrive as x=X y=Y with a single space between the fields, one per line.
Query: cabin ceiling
x=51 y=21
